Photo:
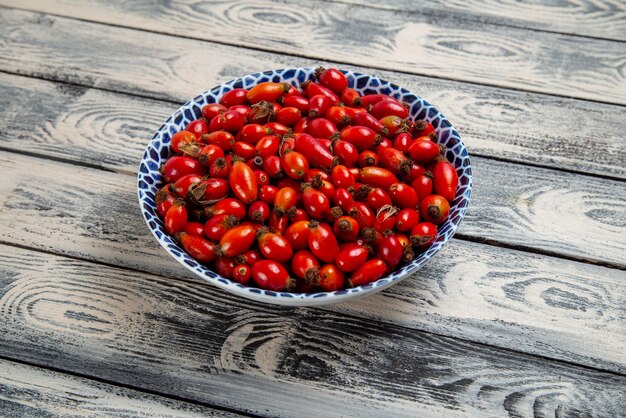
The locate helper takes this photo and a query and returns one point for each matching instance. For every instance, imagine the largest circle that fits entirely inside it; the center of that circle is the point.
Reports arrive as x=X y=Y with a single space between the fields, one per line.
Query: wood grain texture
x=442 y=47
x=187 y=339
x=560 y=213
x=32 y=391
x=110 y=130
x=535 y=304
x=493 y=122
x=594 y=18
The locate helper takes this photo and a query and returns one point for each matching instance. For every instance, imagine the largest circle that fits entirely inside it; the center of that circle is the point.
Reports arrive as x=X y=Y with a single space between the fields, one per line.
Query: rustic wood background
x=522 y=314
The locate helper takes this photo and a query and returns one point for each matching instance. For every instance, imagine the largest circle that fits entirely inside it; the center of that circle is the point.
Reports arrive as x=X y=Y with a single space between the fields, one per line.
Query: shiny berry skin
x=341 y=176
x=175 y=218
x=388 y=107
x=338 y=116
x=377 y=198
x=259 y=211
x=368 y=158
x=305 y=266
x=278 y=128
x=351 y=256
x=423 y=151
x=271 y=275
x=197 y=247
x=311 y=89
x=445 y=180
x=312 y=173
x=237 y=240
x=350 y=97
x=213 y=109
x=182 y=138
x=385 y=220
x=422 y=128
x=295 y=165
x=262 y=178
x=249 y=257
x=230 y=121
x=378 y=177
x=434 y=208
x=229 y=206
x=299 y=215
x=195 y=228
x=315 y=202
x=369 y=121
x=234 y=97
x=346 y=152
x=242 y=273
x=319 y=104
x=176 y=167
x=406 y=219
x=361 y=137
x=183 y=184
x=298 y=235
x=274 y=247
x=321 y=128
x=218 y=225
x=209 y=190
x=343 y=199
x=288 y=116
x=390 y=250
x=223 y=139
x=369 y=272
x=423 y=186
x=286 y=199
x=331 y=278
x=322 y=241
x=268 y=145
x=252 y=133
x=372 y=99
x=394 y=161
x=198 y=127
x=273 y=166
x=209 y=153
x=423 y=235
x=415 y=171
x=243 y=109
x=363 y=215
x=225 y=267
x=267 y=91
x=243 y=182
x=278 y=222
x=315 y=152
x=403 y=195
x=268 y=193
x=299 y=102
x=244 y=150
x=332 y=78
x=403 y=141
x=346 y=228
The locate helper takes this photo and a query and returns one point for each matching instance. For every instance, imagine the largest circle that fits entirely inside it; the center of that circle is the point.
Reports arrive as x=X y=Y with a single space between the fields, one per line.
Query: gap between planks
x=259 y=46
x=194 y=281
x=178 y=103
x=91 y=378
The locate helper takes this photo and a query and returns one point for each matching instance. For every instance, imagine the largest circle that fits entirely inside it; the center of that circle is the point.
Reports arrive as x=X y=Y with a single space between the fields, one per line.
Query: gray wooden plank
x=170 y=336
x=33 y=391
x=560 y=213
x=540 y=305
x=600 y=19
x=443 y=47
x=110 y=130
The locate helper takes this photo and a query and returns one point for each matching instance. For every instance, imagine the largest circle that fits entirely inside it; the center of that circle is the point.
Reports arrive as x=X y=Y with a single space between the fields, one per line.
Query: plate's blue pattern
x=149 y=180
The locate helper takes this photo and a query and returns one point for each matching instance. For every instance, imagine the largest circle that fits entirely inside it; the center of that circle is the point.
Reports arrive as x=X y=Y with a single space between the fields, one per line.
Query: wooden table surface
x=522 y=314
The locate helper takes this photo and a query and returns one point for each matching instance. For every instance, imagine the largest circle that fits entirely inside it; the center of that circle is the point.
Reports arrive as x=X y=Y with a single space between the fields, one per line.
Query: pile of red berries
x=305 y=190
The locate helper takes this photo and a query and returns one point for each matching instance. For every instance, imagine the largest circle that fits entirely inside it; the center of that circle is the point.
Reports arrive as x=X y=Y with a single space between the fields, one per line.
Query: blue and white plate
x=149 y=181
